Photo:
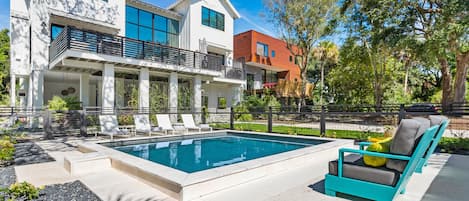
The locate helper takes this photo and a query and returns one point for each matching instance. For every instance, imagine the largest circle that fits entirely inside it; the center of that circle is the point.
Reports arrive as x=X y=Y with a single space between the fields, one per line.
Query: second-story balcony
x=171 y=58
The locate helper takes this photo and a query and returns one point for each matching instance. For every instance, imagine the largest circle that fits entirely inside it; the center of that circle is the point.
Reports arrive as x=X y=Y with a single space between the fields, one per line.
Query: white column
x=173 y=95
x=12 y=90
x=144 y=90
x=197 y=98
x=85 y=89
x=108 y=93
x=236 y=91
x=23 y=88
x=37 y=89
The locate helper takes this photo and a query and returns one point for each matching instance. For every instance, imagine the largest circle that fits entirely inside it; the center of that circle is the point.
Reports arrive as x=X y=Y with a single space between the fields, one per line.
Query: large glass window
x=213 y=19
x=146 y=26
x=55 y=31
x=262 y=49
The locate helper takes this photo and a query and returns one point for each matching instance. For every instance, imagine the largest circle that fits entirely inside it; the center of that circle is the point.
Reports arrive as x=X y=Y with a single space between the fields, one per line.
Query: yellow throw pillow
x=379 y=145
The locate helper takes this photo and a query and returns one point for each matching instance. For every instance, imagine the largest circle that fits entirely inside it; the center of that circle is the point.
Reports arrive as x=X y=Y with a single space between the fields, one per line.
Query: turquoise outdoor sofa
x=352 y=177
x=442 y=122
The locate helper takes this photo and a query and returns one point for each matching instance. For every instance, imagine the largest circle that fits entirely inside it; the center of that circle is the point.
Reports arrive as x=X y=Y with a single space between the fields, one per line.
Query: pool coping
x=174 y=182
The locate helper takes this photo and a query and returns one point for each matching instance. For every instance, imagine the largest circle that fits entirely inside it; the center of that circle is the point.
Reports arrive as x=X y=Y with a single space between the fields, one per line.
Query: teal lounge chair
x=442 y=122
x=354 y=178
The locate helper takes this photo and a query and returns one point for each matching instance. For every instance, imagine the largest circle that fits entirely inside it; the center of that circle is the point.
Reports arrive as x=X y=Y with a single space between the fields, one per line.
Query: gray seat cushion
x=437 y=119
x=356 y=169
x=403 y=142
x=424 y=125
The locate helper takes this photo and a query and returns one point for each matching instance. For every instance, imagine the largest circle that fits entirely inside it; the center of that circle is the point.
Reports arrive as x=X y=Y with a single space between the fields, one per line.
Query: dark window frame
x=266 y=49
x=217 y=23
x=170 y=34
x=52 y=26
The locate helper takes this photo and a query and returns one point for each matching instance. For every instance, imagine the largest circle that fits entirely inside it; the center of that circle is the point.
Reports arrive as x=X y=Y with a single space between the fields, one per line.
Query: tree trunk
x=446 y=83
x=460 y=77
x=304 y=81
x=322 y=83
x=406 y=78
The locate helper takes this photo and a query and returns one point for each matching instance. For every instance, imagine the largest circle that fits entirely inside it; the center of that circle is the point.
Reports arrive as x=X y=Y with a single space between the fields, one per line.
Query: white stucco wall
x=192 y=29
x=55 y=89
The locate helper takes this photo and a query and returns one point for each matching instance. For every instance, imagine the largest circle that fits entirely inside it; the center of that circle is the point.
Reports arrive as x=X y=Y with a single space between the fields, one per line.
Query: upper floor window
x=262 y=49
x=55 y=30
x=273 y=53
x=213 y=19
x=146 y=26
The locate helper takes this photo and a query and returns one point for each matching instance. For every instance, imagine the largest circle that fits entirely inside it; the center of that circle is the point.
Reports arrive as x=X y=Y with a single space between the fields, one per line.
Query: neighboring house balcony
x=74 y=45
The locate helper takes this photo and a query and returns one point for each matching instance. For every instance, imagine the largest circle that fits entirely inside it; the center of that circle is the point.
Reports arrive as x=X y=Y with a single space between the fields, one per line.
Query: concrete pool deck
x=443 y=179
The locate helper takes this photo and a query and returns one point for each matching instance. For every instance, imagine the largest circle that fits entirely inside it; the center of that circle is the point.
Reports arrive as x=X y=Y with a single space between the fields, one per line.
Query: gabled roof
x=232 y=9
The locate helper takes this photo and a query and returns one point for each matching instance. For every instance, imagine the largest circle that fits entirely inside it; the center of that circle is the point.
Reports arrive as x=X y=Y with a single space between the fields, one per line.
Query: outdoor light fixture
x=207 y=82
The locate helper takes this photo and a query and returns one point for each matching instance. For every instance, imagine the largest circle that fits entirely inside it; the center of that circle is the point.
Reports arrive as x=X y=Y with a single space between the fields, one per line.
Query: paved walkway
x=444 y=179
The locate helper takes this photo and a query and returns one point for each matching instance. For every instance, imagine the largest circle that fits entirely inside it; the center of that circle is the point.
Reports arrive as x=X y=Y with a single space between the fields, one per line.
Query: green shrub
x=126 y=119
x=7 y=150
x=454 y=145
x=72 y=102
x=63 y=104
x=57 y=103
x=241 y=111
x=221 y=103
x=23 y=190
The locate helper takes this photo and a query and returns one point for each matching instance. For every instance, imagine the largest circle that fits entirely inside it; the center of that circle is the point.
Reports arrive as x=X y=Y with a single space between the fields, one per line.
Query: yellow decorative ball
x=381 y=146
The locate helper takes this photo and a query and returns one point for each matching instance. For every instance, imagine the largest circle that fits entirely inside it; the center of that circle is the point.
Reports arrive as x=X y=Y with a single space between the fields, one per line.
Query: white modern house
x=108 y=52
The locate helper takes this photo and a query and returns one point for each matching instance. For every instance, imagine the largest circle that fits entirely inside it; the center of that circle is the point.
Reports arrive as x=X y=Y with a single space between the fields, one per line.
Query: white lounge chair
x=164 y=123
x=143 y=125
x=110 y=126
x=189 y=123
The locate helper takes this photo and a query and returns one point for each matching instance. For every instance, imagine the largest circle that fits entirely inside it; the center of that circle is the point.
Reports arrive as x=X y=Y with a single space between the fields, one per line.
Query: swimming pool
x=197 y=154
x=195 y=165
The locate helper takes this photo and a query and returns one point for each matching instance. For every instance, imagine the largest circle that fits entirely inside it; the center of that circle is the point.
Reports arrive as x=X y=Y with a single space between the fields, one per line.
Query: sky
x=251 y=12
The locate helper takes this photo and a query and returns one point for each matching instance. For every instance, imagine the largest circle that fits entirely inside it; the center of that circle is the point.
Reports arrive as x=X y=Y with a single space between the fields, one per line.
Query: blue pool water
x=192 y=155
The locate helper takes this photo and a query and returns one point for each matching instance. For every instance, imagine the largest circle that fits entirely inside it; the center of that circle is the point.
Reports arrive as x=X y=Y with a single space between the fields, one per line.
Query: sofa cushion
x=437 y=119
x=357 y=170
x=424 y=125
x=403 y=143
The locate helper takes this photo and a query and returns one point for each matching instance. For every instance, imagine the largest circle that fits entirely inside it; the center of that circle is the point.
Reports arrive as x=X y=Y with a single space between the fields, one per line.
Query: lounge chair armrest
x=204 y=125
x=362 y=152
x=364 y=144
x=371 y=153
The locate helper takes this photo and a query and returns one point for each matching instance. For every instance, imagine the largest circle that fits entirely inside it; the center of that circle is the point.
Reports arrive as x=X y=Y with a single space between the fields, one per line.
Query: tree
x=302 y=23
x=438 y=30
x=4 y=64
x=325 y=52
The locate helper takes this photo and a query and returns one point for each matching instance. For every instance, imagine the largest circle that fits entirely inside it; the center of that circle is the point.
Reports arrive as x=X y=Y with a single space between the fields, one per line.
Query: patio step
x=86 y=163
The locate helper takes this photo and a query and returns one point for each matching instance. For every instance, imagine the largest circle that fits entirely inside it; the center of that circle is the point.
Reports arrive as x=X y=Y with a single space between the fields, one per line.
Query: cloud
x=248 y=20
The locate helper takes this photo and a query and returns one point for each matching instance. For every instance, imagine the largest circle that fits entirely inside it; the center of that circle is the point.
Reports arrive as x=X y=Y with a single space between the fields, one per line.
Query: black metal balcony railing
x=95 y=42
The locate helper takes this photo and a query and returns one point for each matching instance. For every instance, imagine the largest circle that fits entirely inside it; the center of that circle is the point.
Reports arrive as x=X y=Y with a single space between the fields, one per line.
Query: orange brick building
x=267 y=59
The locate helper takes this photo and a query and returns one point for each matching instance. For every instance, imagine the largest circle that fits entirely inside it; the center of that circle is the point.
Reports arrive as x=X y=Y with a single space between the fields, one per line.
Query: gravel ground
x=7 y=176
x=73 y=191
x=30 y=153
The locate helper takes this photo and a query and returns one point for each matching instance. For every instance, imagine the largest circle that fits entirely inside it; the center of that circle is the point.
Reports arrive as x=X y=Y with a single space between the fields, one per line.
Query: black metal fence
x=287 y=120
x=101 y=43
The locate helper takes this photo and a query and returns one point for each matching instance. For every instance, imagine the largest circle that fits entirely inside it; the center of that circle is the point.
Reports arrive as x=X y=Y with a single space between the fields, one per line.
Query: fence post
x=401 y=112
x=322 y=123
x=231 y=118
x=450 y=109
x=269 y=121
x=46 y=120
x=83 y=123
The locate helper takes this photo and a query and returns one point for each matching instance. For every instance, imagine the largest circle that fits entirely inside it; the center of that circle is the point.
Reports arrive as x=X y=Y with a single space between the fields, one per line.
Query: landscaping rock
x=73 y=191
x=30 y=153
x=7 y=176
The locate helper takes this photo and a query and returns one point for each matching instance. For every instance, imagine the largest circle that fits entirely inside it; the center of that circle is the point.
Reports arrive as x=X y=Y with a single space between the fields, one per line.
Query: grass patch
x=454 y=145
x=345 y=134
x=446 y=144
